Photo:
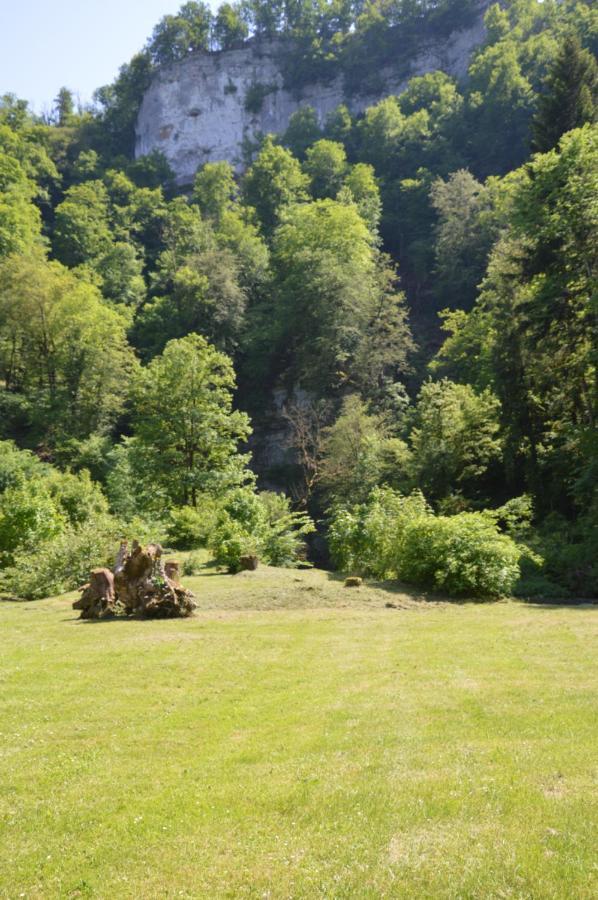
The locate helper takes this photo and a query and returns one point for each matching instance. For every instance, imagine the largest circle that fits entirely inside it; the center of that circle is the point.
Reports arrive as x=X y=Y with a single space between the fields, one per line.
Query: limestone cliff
x=203 y=108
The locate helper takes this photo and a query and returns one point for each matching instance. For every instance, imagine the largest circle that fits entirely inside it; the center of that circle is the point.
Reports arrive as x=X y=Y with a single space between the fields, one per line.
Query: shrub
x=281 y=541
x=37 y=501
x=17 y=465
x=63 y=562
x=514 y=517
x=231 y=541
x=454 y=438
x=366 y=537
x=259 y=524
x=29 y=516
x=256 y=94
x=192 y=564
x=462 y=555
x=570 y=559
x=190 y=526
x=77 y=496
x=392 y=536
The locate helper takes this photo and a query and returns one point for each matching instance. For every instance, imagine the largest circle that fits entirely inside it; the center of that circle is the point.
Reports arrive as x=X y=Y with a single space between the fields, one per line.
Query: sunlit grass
x=298 y=739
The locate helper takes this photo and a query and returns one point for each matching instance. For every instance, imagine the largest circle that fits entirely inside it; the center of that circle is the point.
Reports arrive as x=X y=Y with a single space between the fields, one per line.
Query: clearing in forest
x=299 y=739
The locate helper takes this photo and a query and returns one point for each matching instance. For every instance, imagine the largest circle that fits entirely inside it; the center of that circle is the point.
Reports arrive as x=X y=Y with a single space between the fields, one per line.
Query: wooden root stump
x=141 y=585
x=98 y=599
x=172 y=569
x=145 y=588
x=353 y=581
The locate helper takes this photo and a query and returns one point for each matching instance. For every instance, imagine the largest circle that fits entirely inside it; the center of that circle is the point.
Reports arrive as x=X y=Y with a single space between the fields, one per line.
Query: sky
x=79 y=44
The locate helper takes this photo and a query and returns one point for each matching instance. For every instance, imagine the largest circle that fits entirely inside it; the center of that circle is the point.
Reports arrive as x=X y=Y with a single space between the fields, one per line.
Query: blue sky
x=45 y=44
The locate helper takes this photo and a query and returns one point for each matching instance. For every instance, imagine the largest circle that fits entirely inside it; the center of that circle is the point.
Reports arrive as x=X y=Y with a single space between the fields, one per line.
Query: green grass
x=298 y=739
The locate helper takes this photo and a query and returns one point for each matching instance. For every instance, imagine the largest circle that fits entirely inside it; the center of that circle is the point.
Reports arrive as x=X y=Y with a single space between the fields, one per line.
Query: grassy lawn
x=298 y=739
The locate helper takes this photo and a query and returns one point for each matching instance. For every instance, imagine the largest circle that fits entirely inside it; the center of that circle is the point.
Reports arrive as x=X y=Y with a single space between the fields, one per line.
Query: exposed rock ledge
x=195 y=111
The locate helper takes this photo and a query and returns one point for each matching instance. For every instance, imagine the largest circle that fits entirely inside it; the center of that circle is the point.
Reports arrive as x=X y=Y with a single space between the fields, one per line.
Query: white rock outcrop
x=195 y=111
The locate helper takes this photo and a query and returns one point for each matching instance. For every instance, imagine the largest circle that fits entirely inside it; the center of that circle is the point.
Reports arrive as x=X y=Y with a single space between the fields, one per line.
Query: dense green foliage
x=240 y=523
x=140 y=327
x=262 y=525
x=393 y=536
x=185 y=431
x=54 y=526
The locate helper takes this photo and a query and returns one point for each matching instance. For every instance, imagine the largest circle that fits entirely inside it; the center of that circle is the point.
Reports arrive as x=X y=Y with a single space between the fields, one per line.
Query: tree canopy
x=403 y=299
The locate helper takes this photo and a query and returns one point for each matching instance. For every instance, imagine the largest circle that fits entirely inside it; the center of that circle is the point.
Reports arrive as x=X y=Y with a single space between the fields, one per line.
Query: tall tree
x=454 y=439
x=570 y=97
x=532 y=333
x=230 y=28
x=64 y=106
x=303 y=130
x=272 y=183
x=337 y=309
x=114 y=128
x=20 y=221
x=63 y=350
x=82 y=227
x=186 y=430
x=215 y=190
x=326 y=165
x=466 y=229
x=174 y=37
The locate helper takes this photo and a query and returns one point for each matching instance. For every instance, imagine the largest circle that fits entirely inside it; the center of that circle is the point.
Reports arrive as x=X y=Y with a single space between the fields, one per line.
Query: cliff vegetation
x=400 y=304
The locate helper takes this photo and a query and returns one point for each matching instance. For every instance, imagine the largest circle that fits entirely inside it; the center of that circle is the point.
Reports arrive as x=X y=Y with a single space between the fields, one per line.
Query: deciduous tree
x=186 y=430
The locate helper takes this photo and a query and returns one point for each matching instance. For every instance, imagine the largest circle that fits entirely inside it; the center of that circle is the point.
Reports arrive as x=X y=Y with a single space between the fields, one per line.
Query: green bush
x=29 y=515
x=63 y=562
x=189 y=526
x=392 y=536
x=281 y=540
x=462 y=555
x=78 y=498
x=236 y=528
x=37 y=501
x=569 y=551
x=366 y=537
x=192 y=565
x=260 y=524
x=230 y=541
x=17 y=465
x=256 y=94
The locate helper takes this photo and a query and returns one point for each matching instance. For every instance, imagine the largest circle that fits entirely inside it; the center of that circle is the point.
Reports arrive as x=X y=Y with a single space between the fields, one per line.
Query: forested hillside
x=401 y=304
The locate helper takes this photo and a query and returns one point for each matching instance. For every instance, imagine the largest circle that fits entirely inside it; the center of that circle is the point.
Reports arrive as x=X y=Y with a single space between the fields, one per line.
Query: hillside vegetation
x=389 y=318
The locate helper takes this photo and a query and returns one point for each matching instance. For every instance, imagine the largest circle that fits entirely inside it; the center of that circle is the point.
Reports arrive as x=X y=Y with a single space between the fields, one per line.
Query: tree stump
x=145 y=588
x=353 y=581
x=140 y=585
x=98 y=599
x=248 y=563
x=172 y=569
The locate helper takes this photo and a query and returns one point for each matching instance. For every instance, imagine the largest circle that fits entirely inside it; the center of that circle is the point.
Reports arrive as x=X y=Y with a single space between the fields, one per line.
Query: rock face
x=204 y=108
